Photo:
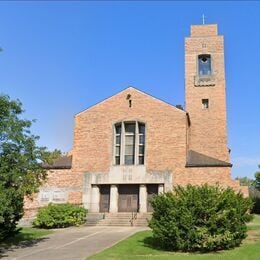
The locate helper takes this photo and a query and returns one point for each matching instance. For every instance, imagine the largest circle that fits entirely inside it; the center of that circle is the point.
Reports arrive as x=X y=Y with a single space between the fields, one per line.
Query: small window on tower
x=205 y=103
x=204 y=64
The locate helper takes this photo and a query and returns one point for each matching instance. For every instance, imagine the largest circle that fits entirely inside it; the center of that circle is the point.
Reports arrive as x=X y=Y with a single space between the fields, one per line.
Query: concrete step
x=118 y=219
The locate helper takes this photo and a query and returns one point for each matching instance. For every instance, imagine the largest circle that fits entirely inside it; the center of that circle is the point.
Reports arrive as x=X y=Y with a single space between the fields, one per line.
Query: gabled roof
x=137 y=90
x=195 y=159
x=63 y=162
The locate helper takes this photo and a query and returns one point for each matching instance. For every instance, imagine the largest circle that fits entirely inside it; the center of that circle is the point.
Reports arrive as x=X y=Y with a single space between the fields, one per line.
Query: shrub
x=200 y=218
x=60 y=216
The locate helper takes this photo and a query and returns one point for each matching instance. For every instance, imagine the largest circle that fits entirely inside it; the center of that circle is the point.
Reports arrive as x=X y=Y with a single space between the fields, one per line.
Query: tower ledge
x=204 y=30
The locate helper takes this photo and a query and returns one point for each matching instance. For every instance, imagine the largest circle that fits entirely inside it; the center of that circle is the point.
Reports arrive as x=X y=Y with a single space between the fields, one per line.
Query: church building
x=132 y=145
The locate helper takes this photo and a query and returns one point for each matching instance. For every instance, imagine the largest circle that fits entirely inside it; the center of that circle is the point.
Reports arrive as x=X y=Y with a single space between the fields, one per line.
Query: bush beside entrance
x=60 y=216
x=200 y=218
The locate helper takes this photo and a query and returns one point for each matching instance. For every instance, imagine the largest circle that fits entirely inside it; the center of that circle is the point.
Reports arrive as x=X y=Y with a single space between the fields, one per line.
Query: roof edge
x=134 y=88
x=207 y=165
x=56 y=167
x=63 y=162
x=196 y=159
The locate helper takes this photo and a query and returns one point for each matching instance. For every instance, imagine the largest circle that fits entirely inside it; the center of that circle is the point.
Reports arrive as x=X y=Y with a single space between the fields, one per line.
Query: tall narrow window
x=118 y=130
x=129 y=143
x=204 y=64
x=141 y=133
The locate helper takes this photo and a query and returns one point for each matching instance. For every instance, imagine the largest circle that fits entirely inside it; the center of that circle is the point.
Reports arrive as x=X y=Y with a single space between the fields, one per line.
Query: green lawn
x=135 y=247
x=25 y=234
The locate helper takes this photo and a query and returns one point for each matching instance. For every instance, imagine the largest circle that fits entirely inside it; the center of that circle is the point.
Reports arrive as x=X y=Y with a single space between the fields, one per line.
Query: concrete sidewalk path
x=70 y=243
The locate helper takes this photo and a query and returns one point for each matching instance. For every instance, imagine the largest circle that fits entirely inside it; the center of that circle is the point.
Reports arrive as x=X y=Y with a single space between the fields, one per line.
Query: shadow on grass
x=150 y=242
x=19 y=240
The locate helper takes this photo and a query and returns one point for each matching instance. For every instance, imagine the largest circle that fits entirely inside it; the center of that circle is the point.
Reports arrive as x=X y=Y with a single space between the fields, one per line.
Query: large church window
x=204 y=64
x=129 y=143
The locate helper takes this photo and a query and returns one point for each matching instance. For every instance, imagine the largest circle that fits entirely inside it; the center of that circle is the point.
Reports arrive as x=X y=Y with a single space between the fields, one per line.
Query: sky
x=61 y=57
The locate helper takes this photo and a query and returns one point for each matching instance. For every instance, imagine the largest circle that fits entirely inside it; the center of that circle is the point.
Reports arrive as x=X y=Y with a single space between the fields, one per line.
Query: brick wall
x=167 y=133
x=58 y=180
x=208 y=134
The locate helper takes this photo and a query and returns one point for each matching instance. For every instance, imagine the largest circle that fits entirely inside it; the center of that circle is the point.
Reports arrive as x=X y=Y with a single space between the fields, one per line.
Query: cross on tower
x=203 y=19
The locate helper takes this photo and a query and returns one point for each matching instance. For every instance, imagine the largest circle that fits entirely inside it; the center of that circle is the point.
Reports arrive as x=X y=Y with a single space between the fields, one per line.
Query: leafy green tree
x=245 y=181
x=21 y=160
x=257 y=179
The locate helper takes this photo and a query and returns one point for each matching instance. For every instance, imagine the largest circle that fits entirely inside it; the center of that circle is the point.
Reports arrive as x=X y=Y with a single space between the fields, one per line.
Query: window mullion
x=114 y=146
x=122 y=151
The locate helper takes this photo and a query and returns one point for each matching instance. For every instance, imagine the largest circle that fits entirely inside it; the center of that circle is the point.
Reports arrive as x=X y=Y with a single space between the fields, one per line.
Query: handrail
x=134 y=215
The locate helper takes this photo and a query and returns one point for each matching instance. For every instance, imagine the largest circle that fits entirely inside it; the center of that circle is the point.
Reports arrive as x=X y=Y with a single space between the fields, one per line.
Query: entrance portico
x=123 y=197
x=124 y=189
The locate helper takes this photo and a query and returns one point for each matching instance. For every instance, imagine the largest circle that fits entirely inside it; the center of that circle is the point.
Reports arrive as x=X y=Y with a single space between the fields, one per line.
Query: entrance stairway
x=118 y=219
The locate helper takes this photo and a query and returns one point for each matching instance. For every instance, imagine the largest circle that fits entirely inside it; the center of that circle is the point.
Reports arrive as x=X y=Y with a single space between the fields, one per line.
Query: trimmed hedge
x=200 y=218
x=60 y=216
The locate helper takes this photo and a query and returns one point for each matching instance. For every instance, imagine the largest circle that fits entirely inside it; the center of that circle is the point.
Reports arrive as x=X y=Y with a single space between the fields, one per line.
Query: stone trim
x=204 y=81
x=124 y=175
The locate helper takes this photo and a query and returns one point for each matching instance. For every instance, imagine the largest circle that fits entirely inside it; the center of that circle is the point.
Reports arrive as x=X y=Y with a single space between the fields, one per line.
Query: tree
x=21 y=171
x=245 y=181
x=257 y=179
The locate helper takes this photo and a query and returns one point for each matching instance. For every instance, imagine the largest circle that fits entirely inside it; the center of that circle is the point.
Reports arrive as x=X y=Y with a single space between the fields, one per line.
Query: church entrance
x=128 y=199
x=152 y=190
x=104 y=198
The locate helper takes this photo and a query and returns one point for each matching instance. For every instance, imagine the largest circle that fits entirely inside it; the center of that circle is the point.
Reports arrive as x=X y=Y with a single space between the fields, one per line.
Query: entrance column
x=95 y=197
x=160 y=188
x=113 y=199
x=142 y=198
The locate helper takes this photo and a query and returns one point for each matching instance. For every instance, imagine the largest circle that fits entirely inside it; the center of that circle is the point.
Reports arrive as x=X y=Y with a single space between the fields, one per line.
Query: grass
x=25 y=234
x=256 y=220
x=136 y=247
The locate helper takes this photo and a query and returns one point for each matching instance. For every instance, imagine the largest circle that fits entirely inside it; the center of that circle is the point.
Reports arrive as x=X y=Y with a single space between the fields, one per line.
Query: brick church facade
x=132 y=145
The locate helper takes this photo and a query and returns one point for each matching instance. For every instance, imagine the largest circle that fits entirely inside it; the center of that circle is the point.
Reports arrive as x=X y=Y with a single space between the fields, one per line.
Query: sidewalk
x=71 y=243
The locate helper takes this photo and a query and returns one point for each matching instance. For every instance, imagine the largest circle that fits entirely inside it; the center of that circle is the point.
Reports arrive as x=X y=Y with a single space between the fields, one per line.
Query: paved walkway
x=70 y=243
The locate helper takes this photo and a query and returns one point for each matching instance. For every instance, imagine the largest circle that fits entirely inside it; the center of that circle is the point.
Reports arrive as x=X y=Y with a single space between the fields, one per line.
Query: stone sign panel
x=45 y=196
x=54 y=195
x=59 y=196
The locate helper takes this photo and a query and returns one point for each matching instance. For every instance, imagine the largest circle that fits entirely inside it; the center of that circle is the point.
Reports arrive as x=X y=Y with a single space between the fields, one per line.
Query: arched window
x=204 y=64
x=129 y=143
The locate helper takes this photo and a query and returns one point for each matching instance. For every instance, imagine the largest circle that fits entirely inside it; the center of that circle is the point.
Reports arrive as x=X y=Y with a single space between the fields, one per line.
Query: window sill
x=204 y=80
x=128 y=165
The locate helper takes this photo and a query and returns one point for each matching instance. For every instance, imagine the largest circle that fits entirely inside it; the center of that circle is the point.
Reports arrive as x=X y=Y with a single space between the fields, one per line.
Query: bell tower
x=205 y=91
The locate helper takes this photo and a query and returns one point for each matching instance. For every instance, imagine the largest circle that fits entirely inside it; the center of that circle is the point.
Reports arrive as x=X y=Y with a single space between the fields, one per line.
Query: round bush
x=200 y=218
x=60 y=216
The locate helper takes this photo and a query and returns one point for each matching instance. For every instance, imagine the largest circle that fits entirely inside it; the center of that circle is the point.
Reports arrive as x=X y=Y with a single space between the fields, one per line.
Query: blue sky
x=61 y=57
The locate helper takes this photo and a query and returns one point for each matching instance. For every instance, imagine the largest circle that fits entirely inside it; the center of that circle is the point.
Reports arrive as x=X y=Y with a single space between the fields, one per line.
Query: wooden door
x=128 y=198
x=152 y=190
x=104 y=198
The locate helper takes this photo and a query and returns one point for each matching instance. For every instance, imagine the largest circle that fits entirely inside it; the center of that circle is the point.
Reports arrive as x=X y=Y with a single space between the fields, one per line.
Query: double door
x=128 y=200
